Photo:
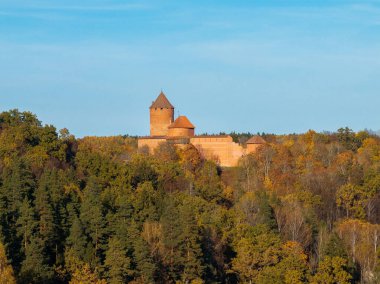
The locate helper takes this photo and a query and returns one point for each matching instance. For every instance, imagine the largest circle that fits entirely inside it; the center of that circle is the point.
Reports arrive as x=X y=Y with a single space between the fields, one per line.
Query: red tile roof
x=162 y=102
x=256 y=140
x=182 y=122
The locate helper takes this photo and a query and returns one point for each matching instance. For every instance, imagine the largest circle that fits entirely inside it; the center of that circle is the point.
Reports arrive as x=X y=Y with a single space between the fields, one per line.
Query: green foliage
x=348 y=139
x=95 y=210
x=117 y=263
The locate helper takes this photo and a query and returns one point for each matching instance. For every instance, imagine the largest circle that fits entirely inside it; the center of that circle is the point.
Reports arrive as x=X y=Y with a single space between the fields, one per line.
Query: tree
x=77 y=247
x=332 y=270
x=190 y=245
x=146 y=268
x=254 y=251
x=348 y=139
x=171 y=230
x=117 y=263
x=362 y=241
x=35 y=268
x=208 y=184
x=352 y=199
x=6 y=270
x=93 y=220
x=85 y=275
x=45 y=215
x=256 y=209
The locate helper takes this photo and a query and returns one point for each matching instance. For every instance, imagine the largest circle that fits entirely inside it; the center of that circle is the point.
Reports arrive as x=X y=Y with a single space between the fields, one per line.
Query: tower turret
x=181 y=127
x=161 y=116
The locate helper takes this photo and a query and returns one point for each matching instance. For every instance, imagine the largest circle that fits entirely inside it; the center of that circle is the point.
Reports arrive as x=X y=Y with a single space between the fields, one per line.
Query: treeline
x=303 y=209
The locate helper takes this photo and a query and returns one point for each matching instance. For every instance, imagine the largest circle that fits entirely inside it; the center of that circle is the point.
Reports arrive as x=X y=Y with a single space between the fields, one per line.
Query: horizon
x=268 y=66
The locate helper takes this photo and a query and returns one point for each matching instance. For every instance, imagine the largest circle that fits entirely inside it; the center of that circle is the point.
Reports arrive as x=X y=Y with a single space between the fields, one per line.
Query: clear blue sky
x=95 y=66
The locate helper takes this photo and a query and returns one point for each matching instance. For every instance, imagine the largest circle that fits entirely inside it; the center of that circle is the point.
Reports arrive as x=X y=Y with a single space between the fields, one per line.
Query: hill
x=302 y=209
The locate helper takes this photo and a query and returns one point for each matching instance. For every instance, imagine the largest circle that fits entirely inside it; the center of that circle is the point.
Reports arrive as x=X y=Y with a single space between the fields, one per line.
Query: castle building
x=220 y=148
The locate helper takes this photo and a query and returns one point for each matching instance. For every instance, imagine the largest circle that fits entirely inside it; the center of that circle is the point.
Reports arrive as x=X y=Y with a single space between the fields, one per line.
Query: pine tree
x=34 y=268
x=117 y=262
x=76 y=246
x=17 y=185
x=26 y=225
x=44 y=208
x=146 y=268
x=190 y=246
x=93 y=220
x=171 y=229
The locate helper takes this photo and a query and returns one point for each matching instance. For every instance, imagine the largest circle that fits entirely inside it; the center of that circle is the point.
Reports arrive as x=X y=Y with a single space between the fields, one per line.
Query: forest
x=305 y=208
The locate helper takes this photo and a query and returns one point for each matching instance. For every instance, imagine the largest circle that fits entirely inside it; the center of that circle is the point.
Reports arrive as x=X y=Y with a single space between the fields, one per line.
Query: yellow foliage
x=113 y=146
x=73 y=188
x=37 y=156
x=288 y=143
x=228 y=193
x=268 y=184
x=295 y=248
x=6 y=271
x=152 y=234
x=84 y=275
x=361 y=240
x=197 y=281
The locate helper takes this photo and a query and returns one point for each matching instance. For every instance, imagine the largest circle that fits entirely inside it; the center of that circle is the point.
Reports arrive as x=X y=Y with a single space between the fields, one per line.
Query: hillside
x=302 y=209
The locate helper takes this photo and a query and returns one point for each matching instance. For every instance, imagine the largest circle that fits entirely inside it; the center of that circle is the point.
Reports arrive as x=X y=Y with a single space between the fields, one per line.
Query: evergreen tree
x=76 y=246
x=17 y=185
x=191 y=255
x=117 y=262
x=93 y=220
x=171 y=228
x=335 y=247
x=145 y=203
x=35 y=268
x=145 y=266
x=46 y=223
x=26 y=225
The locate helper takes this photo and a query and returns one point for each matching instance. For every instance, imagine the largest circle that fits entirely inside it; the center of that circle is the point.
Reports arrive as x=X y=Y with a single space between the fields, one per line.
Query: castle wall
x=160 y=119
x=151 y=143
x=221 y=149
x=181 y=132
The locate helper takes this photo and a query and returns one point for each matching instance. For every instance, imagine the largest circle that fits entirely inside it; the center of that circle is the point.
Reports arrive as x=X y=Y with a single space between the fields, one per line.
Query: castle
x=163 y=128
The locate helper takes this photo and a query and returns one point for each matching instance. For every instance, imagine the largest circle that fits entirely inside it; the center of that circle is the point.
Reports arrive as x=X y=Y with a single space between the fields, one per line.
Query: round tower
x=181 y=127
x=254 y=143
x=161 y=116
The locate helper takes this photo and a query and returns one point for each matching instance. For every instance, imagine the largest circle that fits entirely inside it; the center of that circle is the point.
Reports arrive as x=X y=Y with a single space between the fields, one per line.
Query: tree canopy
x=302 y=209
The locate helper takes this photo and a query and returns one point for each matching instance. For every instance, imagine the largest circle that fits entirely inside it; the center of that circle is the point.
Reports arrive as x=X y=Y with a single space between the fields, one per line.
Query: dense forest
x=302 y=209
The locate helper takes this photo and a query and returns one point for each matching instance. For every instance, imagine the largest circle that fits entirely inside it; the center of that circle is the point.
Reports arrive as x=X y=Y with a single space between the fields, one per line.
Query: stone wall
x=221 y=149
x=151 y=143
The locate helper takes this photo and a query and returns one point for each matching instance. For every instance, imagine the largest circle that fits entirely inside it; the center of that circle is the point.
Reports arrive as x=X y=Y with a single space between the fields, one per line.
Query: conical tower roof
x=182 y=122
x=256 y=140
x=162 y=102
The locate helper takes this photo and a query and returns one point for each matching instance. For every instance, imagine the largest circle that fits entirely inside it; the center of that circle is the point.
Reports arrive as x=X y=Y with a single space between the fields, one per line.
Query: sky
x=95 y=66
